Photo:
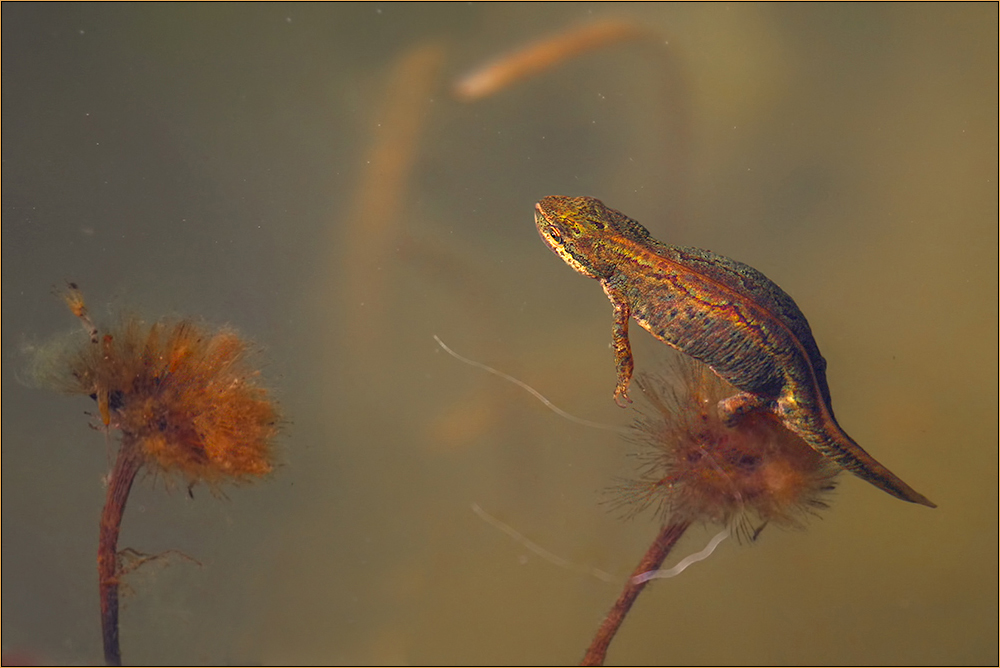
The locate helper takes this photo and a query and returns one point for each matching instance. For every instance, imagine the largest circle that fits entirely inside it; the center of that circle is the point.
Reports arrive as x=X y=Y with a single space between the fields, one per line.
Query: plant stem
x=127 y=465
x=651 y=561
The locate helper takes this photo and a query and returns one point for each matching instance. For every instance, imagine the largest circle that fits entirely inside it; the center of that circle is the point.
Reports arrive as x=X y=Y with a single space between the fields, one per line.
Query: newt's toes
x=621 y=397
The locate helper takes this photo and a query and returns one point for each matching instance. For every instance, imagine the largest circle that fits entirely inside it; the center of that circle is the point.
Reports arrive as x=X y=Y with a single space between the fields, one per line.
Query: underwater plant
x=186 y=405
x=695 y=469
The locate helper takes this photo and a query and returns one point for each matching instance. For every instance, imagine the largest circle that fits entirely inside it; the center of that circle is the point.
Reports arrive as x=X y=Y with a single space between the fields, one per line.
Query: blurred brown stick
x=541 y=55
x=375 y=216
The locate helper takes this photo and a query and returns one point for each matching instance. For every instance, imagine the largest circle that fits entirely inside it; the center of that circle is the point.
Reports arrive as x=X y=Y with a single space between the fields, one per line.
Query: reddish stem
x=127 y=465
x=651 y=561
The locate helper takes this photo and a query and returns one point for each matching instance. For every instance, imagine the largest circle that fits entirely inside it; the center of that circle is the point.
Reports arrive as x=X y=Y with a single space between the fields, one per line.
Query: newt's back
x=722 y=278
x=754 y=286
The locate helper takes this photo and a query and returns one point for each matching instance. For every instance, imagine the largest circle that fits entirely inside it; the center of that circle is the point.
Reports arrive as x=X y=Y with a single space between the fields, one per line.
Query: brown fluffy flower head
x=183 y=392
x=696 y=468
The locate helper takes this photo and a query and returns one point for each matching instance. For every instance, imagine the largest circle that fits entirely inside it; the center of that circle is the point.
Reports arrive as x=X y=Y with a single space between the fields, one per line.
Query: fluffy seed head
x=695 y=468
x=183 y=392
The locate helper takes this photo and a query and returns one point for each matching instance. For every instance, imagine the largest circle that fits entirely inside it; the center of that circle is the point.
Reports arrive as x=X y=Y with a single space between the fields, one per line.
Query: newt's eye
x=556 y=235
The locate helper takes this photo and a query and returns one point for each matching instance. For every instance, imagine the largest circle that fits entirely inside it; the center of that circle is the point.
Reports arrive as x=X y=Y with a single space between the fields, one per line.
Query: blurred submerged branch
x=376 y=216
x=542 y=55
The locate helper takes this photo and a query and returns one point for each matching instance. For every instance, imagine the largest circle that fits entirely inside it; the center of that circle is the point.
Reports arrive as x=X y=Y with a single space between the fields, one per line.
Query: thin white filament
x=535 y=393
x=538 y=549
x=685 y=562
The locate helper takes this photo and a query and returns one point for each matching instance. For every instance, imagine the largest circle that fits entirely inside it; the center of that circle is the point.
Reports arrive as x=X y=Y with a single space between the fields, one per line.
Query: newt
x=721 y=312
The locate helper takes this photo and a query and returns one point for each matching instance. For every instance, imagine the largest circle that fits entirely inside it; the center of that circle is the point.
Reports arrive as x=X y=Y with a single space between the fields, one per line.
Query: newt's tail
x=866 y=467
x=832 y=442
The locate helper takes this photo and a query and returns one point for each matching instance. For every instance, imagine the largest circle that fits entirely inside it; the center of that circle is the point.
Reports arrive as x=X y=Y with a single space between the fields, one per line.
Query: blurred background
x=304 y=173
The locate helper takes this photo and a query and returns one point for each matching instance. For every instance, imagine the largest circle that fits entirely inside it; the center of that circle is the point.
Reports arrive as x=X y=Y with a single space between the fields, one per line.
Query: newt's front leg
x=619 y=341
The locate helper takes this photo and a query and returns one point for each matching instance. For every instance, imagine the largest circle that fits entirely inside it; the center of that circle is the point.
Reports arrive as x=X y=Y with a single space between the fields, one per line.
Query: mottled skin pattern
x=720 y=312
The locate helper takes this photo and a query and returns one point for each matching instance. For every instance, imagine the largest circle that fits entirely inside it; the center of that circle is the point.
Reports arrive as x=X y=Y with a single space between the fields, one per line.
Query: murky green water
x=208 y=160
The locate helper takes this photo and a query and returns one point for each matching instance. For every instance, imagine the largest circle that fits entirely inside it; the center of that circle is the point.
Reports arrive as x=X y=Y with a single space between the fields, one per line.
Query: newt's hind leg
x=733 y=408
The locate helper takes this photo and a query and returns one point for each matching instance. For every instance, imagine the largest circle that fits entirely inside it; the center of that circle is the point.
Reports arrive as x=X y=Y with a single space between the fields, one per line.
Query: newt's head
x=581 y=230
x=574 y=228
